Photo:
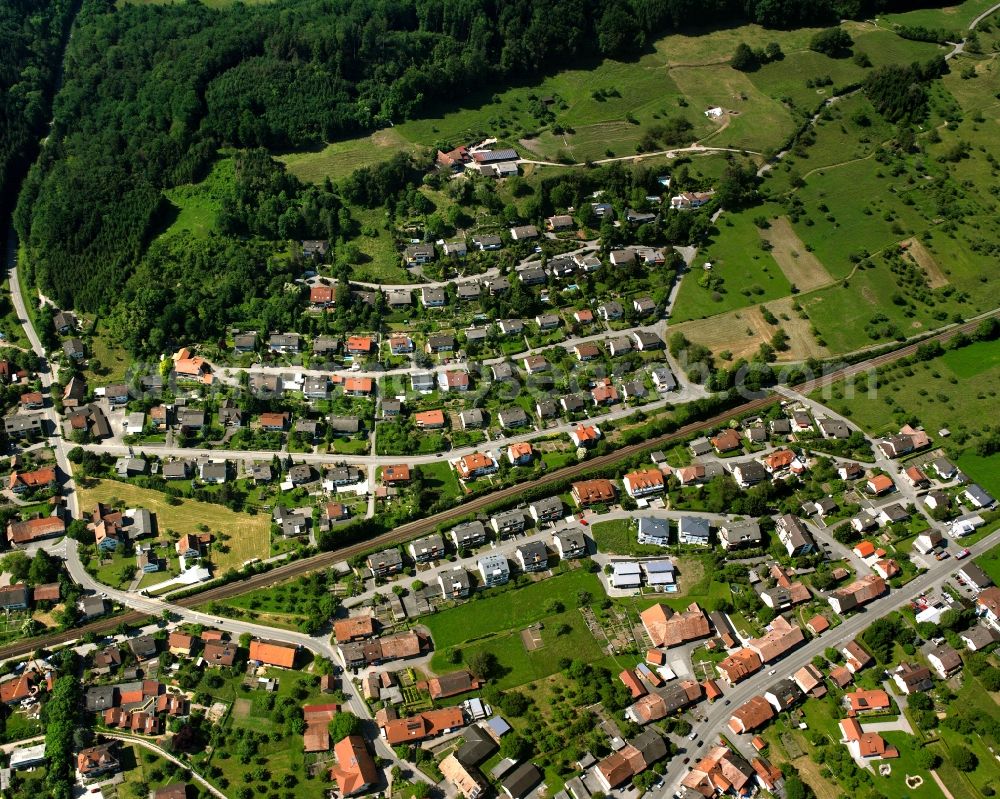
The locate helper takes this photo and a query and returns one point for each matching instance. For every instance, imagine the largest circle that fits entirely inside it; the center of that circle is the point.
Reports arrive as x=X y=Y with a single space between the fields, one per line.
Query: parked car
x=963 y=554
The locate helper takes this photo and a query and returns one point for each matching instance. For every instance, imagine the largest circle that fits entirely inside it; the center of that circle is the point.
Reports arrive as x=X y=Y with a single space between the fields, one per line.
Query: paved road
x=45 y=373
x=717 y=715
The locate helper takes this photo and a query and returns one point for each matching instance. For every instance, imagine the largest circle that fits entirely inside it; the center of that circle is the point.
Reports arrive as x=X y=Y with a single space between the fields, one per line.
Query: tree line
x=31 y=33
x=151 y=93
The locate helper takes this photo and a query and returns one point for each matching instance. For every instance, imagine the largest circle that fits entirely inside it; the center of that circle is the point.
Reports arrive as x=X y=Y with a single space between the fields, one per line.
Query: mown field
x=248 y=536
x=494 y=624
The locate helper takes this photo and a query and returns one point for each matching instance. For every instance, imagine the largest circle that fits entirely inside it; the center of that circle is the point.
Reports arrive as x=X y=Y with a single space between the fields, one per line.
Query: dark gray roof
x=520 y=782
x=477 y=747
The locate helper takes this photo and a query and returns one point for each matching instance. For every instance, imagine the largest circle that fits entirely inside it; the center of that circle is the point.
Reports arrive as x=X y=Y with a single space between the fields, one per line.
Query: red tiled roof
x=273 y=654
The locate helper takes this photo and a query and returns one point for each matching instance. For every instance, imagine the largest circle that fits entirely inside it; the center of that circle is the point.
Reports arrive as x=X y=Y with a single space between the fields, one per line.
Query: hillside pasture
x=920 y=255
x=803 y=269
x=741 y=332
x=341 y=158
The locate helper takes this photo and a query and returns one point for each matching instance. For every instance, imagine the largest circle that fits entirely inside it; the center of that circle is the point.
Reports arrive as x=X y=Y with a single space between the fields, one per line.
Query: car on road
x=963 y=554
x=692 y=736
x=729 y=701
x=771 y=672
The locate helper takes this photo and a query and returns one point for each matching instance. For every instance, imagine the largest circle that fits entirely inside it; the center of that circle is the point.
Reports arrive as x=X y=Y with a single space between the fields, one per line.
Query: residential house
x=654 y=531
x=783 y=695
x=728 y=440
x=593 y=492
x=454 y=583
x=643 y=483
x=284 y=343
x=493 y=569
x=546 y=510
x=944 y=660
x=781 y=638
x=509 y=522
x=570 y=543
x=857 y=594
x=585 y=435
x=385 y=563
x=793 y=534
x=667 y=628
x=478 y=464
x=693 y=530
x=744 y=533
x=751 y=715
x=468 y=535
x=912 y=679
x=428 y=548
x=524 y=232
x=417 y=254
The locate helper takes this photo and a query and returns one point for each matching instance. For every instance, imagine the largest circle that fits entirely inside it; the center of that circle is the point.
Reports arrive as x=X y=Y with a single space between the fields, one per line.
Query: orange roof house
x=273 y=654
x=865 y=549
x=781 y=638
x=751 y=715
x=727 y=441
x=778 y=460
x=632 y=682
x=321 y=295
x=34 y=529
x=355 y=771
x=358 y=385
x=841 y=676
x=354 y=628
x=194 y=367
x=423 y=725
x=520 y=452
x=817 y=624
x=879 y=484
x=655 y=657
x=862 y=701
x=357 y=345
x=666 y=628
x=397 y=473
x=429 y=420
x=712 y=690
x=643 y=482
x=475 y=464
x=868 y=744
x=739 y=665
x=593 y=492
x=39 y=478
x=180 y=643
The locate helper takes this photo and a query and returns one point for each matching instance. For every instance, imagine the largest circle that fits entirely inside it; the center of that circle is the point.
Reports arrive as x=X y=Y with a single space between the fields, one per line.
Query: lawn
x=441 y=479
x=619 y=537
x=197 y=204
x=248 y=536
x=955 y=17
x=495 y=623
x=895 y=783
x=339 y=159
x=990 y=563
x=742 y=272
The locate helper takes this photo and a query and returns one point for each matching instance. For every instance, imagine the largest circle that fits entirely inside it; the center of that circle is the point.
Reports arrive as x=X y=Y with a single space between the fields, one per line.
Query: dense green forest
x=31 y=34
x=151 y=92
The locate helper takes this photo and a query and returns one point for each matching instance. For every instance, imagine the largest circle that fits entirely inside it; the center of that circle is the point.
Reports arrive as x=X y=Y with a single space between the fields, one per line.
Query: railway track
x=422 y=526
